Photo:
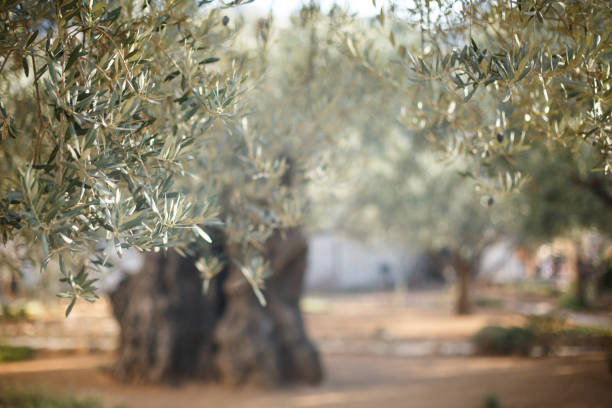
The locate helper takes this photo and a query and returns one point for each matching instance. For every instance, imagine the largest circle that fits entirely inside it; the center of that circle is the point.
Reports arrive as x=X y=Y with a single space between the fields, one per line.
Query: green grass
x=22 y=398
x=488 y=302
x=15 y=353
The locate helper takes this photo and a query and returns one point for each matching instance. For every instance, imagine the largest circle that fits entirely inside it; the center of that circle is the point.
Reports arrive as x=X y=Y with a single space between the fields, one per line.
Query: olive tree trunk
x=163 y=318
x=581 y=284
x=268 y=345
x=171 y=330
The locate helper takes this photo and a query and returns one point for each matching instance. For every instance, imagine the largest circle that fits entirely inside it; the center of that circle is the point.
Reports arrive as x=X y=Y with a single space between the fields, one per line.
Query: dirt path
x=352 y=381
x=406 y=324
x=369 y=343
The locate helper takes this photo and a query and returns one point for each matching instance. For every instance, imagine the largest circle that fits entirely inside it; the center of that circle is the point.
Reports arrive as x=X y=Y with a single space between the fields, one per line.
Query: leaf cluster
x=103 y=104
x=489 y=79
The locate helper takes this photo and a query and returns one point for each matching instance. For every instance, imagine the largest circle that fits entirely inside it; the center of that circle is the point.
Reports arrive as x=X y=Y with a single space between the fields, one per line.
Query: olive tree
x=103 y=105
x=259 y=182
x=124 y=126
x=512 y=87
x=489 y=78
x=561 y=199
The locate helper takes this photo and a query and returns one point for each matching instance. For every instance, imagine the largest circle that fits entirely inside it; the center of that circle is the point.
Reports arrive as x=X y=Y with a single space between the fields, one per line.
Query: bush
x=490 y=401
x=547 y=329
x=10 y=398
x=15 y=353
x=545 y=332
x=498 y=340
x=13 y=313
x=570 y=302
x=588 y=336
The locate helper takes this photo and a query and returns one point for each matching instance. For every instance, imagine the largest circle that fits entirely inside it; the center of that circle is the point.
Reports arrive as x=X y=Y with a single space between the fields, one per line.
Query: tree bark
x=464 y=275
x=581 y=283
x=171 y=330
x=268 y=345
x=162 y=318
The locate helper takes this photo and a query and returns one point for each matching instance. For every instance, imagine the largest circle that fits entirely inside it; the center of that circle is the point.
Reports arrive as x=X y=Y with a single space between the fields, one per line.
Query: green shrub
x=546 y=329
x=11 y=398
x=15 y=353
x=589 y=336
x=588 y=331
x=497 y=340
x=490 y=401
x=534 y=288
x=522 y=339
x=492 y=340
x=545 y=332
x=12 y=312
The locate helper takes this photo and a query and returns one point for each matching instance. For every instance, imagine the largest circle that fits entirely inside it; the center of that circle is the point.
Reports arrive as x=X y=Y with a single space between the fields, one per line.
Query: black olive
x=490 y=202
x=225 y=20
x=500 y=137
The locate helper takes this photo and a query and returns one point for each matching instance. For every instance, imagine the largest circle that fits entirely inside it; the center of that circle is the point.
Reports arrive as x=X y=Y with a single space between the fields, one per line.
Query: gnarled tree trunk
x=268 y=345
x=171 y=330
x=163 y=319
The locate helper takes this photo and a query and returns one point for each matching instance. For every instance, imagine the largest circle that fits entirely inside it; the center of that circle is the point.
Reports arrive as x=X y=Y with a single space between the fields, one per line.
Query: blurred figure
x=386 y=278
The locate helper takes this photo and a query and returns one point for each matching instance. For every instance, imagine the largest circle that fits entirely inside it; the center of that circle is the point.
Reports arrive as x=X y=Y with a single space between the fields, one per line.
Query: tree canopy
x=149 y=125
x=492 y=78
x=517 y=94
x=103 y=107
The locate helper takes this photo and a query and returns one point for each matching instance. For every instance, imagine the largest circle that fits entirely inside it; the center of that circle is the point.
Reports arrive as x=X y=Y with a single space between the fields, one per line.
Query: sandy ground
x=355 y=333
x=330 y=319
x=353 y=381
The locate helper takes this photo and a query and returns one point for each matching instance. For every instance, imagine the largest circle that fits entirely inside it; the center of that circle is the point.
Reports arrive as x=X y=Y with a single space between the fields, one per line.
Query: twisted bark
x=268 y=345
x=171 y=330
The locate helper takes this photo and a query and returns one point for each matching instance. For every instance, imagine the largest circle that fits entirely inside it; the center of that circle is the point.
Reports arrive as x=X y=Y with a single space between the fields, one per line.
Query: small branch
x=596 y=186
x=6 y=58
x=40 y=119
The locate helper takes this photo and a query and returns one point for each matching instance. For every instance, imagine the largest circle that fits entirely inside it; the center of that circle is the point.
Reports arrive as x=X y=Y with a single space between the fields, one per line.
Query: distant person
x=388 y=283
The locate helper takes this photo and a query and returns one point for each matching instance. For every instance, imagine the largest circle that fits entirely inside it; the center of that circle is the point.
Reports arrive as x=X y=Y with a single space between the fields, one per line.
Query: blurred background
x=412 y=279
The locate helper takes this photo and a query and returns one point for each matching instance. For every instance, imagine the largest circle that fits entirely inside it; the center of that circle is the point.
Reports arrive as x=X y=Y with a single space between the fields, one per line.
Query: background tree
x=418 y=203
x=562 y=199
x=516 y=88
x=541 y=66
x=125 y=99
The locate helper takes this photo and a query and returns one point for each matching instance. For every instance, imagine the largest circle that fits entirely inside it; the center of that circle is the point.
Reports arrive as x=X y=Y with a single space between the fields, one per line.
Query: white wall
x=500 y=264
x=336 y=262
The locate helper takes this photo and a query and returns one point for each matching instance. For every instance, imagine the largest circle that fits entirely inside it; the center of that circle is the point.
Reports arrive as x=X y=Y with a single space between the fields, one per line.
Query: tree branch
x=596 y=185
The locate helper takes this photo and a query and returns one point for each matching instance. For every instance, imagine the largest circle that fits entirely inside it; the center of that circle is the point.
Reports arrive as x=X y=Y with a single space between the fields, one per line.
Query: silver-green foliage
x=488 y=78
x=102 y=106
